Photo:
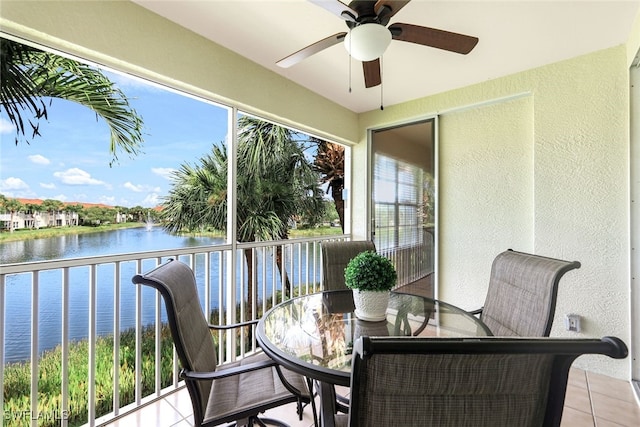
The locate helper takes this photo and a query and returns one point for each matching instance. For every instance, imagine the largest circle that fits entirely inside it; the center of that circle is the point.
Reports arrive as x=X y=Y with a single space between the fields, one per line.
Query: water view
x=18 y=292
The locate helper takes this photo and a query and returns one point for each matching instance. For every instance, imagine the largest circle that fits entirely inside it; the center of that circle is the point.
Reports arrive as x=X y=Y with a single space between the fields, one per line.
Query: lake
x=18 y=300
x=18 y=292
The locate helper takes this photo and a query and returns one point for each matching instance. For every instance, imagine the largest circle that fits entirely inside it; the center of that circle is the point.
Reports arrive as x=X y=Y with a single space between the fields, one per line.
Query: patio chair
x=457 y=382
x=335 y=257
x=521 y=300
x=236 y=391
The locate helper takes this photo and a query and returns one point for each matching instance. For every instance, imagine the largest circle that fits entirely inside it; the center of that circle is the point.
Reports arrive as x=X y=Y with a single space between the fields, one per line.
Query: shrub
x=17 y=379
x=369 y=271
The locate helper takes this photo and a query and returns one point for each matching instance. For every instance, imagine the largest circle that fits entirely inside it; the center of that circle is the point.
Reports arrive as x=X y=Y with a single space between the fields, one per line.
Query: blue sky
x=70 y=161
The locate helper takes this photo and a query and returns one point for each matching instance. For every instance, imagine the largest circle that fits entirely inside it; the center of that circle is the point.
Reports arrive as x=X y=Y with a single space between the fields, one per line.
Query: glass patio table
x=314 y=334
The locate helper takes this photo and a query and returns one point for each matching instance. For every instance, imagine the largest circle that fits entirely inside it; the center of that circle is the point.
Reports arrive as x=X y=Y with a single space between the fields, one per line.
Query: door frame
x=369 y=184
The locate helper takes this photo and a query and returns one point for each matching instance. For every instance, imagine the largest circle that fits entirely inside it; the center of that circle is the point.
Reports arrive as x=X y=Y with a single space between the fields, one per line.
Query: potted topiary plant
x=371 y=276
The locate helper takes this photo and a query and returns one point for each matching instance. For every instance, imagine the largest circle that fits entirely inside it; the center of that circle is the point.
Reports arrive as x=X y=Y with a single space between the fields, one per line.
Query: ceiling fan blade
x=385 y=9
x=338 y=8
x=371 y=73
x=432 y=37
x=312 y=49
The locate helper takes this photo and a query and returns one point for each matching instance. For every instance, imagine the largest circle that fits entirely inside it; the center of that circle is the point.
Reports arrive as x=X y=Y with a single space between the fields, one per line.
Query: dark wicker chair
x=479 y=382
x=521 y=300
x=231 y=392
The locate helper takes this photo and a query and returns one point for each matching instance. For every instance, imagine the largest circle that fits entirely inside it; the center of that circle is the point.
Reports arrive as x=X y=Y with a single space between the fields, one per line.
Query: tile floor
x=592 y=400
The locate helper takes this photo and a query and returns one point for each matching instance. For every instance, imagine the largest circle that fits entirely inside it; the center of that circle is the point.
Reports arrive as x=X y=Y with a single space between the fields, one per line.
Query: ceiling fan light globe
x=367 y=42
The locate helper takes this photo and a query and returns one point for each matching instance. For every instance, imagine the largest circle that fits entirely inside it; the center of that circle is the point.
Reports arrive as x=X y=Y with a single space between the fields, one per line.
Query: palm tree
x=73 y=212
x=138 y=213
x=12 y=206
x=51 y=206
x=35 y=209
x=275 y=182
x=330 y=163
x=29 y=76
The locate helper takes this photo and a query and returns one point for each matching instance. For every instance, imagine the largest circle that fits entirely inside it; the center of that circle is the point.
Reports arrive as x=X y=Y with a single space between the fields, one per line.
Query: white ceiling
x=514 y=36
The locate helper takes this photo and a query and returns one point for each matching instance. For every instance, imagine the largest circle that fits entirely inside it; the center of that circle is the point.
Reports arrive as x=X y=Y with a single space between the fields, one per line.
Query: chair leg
x=264 y=422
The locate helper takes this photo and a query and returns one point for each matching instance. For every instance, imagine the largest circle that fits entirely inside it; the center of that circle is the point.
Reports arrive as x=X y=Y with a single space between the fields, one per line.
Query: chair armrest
x=234 y=325
x=477 y=311
x=229 y=372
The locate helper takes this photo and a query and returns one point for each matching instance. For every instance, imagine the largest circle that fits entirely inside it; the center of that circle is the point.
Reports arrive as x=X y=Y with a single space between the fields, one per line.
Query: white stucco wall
x=485 y=198
x=538 y=162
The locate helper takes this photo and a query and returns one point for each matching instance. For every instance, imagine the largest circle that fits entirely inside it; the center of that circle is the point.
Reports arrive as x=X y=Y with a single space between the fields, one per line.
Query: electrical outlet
x=572 y=322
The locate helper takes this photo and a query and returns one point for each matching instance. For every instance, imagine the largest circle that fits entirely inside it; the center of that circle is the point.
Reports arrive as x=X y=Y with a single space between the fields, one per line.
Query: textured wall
x=537 y=161
x=485 y=199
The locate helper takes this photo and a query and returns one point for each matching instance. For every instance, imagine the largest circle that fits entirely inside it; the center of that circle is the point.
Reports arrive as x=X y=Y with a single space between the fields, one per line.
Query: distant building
x=33 y=218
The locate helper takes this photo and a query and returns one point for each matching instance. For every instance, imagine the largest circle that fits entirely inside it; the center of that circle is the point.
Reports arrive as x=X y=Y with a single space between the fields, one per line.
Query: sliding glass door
x=403 y=201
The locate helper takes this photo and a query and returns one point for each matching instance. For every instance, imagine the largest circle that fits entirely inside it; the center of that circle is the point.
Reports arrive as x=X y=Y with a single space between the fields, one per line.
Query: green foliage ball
x=369 y=271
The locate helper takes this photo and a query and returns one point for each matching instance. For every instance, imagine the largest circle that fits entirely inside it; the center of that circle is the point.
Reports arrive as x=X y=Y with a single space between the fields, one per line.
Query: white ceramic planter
x=371 y=305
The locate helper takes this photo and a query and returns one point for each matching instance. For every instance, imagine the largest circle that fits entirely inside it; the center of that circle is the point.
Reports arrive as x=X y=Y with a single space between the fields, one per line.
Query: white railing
x=95 y=302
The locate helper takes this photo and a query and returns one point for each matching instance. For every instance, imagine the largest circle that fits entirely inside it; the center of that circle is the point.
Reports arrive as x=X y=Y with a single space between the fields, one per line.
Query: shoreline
x=43 y=233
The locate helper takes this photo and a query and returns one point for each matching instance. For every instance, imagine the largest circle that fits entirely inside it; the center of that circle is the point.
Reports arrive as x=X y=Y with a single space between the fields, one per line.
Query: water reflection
x=19 y=297
x=101 y=243
x=18 y=291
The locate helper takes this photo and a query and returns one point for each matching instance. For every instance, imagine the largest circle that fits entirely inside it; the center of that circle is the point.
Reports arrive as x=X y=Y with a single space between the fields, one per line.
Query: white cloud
x=107 y=200
x=39 y=159
x=163 y=172
x=124 y=81
x=75 y=176
x=151 y=200
x=12 y=183
x=133 y=187
x=60 y=197
x=48 y=185
x=6 y=126
x=141 y=188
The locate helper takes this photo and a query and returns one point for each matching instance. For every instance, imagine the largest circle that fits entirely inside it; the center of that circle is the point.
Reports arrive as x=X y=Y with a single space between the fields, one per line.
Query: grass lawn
x=25 y=234
x=41 y=233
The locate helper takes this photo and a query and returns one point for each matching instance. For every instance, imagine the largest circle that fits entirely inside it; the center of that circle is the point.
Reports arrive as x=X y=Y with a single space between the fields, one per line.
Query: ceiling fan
x=369 y=36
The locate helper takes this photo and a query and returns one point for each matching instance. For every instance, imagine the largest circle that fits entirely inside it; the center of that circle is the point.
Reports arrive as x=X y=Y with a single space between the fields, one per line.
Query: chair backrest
x=335 y=257
x=480 y=382
x=521 y=300
x=189 y=328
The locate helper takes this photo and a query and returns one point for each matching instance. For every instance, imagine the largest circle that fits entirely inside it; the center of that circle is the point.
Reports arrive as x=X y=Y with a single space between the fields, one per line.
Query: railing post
x=65 y=347
x=92 y=344
x=116 y=339
x=3 y=322
x=34 y=348
x=138 y=365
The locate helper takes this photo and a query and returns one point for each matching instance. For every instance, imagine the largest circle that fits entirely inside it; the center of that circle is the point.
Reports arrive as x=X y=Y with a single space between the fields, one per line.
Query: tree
x=97 y=215
x=29 y=76
x=12 y=206
x=275 y=182
x=138 y=212
x=330 y=163
x=35 y=209
x=51 y=206
x=74 y=210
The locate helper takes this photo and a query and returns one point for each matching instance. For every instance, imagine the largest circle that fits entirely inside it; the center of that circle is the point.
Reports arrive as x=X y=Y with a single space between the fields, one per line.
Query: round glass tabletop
x=314 y=334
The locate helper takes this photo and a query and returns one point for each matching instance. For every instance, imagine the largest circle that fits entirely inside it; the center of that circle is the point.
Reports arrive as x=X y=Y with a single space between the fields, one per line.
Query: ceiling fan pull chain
x=350 y=62
x=381 y=83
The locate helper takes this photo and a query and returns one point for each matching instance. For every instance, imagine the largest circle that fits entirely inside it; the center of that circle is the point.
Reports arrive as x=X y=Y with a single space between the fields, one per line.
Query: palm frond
x=29 y=76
